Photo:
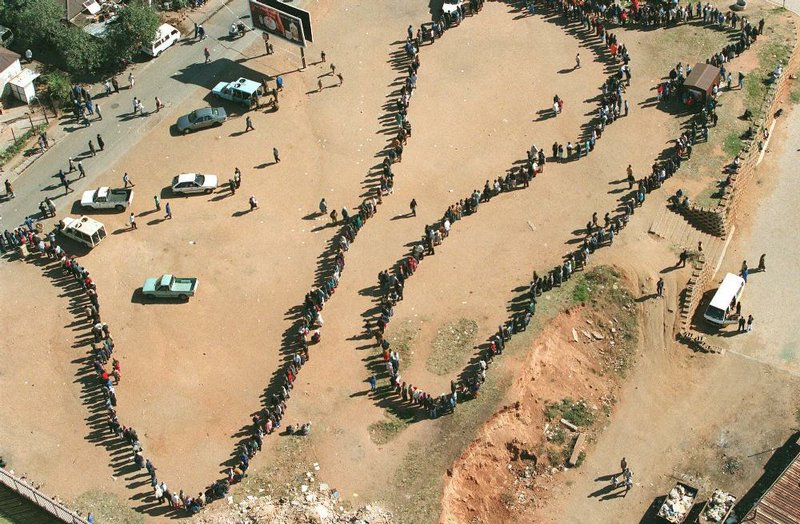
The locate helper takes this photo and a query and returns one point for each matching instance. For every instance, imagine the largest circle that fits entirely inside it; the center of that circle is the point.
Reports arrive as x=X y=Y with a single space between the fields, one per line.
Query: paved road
x=772 y=297
x=174 y=77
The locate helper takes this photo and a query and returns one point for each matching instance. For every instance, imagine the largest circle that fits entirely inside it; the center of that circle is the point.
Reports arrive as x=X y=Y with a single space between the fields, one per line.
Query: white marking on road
x=766 y=143
x=722 y=253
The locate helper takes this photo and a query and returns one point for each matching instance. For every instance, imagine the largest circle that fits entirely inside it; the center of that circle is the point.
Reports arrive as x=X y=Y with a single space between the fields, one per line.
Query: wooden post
x=13 y=135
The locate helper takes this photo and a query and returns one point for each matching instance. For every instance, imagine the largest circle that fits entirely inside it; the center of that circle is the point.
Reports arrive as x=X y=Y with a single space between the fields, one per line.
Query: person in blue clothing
x=279 y=82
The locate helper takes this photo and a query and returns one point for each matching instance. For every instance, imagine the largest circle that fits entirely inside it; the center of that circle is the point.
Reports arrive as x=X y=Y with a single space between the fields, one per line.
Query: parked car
x=84 y=230
x=168 y=286
x=105 y=198
x=202 y=118
x=191 y=183
x=241 y=91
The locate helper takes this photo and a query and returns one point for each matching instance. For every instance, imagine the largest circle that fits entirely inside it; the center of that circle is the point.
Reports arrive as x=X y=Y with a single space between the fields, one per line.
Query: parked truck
x=105 y=198
x=168 y=286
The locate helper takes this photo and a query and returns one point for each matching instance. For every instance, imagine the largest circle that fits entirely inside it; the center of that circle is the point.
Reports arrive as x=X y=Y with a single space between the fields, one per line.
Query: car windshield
x=193 y=116
x=199 y=179
x=215 y=111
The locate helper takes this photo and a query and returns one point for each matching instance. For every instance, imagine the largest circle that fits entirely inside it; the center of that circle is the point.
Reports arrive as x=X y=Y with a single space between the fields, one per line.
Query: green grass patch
x=576 y=412
x=384 y=431
x=454 y=341
x=732 y=144
x=776 y=50
x=582 y=292
x=402 y=341
x=794 y=94
x=107 y=508
x=709 y=197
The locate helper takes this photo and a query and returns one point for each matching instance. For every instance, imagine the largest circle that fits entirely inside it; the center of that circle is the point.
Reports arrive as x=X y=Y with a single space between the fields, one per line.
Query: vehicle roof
x=208 y=111
x=166 y=28
x=186 y=177
x=88 y=225
x=727 y=290
x=165 y=278
x=102 y=192
x=243 y=84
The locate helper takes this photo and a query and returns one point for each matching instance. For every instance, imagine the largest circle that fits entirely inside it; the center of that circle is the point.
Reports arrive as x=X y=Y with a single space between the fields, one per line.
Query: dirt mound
x=506 y=473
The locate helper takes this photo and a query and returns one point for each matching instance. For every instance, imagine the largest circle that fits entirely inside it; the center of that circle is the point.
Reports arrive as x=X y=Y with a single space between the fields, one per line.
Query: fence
x=56 y=509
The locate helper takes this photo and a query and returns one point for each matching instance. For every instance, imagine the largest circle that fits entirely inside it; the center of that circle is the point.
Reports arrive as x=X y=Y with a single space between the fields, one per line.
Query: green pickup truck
x=168 y=286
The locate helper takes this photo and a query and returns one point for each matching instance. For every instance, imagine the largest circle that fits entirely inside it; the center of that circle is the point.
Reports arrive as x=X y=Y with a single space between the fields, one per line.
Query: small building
x=14 y=80
x=780 y=504
x=9 y=68
x=701 y=81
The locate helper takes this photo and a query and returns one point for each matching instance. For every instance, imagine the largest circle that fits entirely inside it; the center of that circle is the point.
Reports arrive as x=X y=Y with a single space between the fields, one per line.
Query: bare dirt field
x=192 y=373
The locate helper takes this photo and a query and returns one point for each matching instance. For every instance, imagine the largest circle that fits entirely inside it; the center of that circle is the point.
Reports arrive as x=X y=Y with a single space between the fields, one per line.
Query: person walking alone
x=157 y=202
x=578 y=61
x=207 y=54
x=133 y=220
x=413 y=206
x=81 y=170
x=168 y=210
x=248 y=123
x=276 y=155
x=92 y=149
x=159 y=105
x=126 y=181
x=131 y=80
x=660 y=287
x=762 y=263
x=253 y=202
x=100 y=142
x=323 y=207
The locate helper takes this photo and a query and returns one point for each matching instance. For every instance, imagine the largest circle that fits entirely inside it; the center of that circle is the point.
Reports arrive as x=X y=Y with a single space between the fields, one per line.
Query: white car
x=191 y=183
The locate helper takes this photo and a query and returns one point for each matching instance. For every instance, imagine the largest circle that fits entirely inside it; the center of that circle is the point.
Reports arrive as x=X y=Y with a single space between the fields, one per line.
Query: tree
x=58 y=85
x=80 y=52
x=36 y=23
x=135 y=26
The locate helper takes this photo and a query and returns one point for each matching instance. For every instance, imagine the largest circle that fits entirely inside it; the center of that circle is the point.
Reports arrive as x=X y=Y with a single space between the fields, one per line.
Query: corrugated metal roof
x=702 y=77
x=780 y=504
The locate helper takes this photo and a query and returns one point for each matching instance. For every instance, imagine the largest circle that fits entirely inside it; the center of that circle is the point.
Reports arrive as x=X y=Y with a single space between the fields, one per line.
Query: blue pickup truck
x=168 y=286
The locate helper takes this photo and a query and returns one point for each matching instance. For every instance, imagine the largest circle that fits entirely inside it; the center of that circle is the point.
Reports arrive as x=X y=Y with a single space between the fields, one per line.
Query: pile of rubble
x=305 y=505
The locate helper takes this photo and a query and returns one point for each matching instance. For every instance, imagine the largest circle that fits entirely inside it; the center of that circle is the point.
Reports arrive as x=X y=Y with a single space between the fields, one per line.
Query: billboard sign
x=304 y=16
x=277 y=22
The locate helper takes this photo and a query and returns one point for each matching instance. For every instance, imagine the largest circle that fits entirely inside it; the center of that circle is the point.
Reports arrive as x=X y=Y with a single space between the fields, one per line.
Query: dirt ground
x=192 y=373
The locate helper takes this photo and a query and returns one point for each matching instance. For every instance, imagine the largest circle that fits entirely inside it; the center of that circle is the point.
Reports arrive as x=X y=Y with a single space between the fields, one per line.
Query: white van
x=84 y=230
x=717 y=311
x=166 y=35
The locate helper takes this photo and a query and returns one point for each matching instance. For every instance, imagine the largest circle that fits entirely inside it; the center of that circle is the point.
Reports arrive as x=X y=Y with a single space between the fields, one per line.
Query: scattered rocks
x=305 y=505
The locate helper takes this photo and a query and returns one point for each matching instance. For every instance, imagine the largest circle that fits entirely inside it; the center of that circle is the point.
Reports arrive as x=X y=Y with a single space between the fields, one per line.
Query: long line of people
x=308 y=327
x=392 y=283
